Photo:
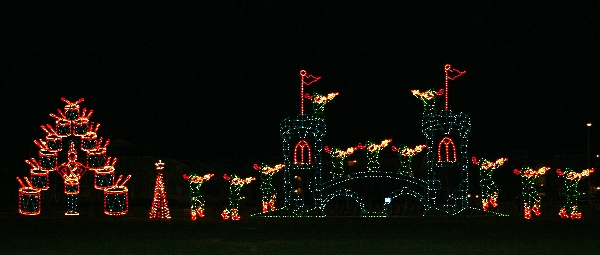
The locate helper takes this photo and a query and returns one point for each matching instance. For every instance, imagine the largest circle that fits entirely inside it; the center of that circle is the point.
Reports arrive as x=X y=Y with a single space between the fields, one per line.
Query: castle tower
x=302 y=147
x=447 y=159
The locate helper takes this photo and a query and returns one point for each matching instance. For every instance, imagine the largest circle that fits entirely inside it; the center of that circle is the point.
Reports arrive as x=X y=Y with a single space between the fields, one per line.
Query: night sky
x=205 y=81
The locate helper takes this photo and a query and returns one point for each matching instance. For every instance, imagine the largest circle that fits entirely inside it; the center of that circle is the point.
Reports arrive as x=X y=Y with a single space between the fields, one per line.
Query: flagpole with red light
x=457 y=73
x=310 y=79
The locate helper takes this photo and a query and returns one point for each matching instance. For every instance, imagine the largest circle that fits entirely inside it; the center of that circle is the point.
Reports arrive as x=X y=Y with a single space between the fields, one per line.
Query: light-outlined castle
x=444 y=187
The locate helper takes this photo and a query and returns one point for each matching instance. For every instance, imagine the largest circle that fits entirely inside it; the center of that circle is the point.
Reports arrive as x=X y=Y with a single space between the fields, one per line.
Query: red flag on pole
x=305 y=79
x=308 y=79
x=451 y=74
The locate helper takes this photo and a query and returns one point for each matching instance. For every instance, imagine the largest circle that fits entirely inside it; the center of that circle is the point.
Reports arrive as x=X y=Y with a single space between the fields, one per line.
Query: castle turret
x=302 y=147
x=447 y=158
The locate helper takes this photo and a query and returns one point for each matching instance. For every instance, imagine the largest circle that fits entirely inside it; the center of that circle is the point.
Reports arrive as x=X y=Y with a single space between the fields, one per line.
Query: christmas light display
x=39 y=175
x=428 y=97
x=103 y=166
x=319 y=101
x=447 y=145
x=406 y=191
x=337 y=186
x=345 y=193
x=409 y=186
x=373 y=150
x=197 y=208
x=305 y=79
x=30 y=202
x=235 y=188
x=405 y=155
x=451 y=74
x=302 y=174
x=160 y=207
x=489 y=190
x=531 y=197
x=72 y=125
x=302 y=148
x=269 y=194
x=71 y=172
x=90 y=139
x=447 y=140
x=116 y=198
x=337 y=160
x=572 y=179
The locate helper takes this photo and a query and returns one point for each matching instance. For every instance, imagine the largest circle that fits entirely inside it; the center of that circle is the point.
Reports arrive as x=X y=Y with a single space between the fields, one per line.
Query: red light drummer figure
x=71 y=172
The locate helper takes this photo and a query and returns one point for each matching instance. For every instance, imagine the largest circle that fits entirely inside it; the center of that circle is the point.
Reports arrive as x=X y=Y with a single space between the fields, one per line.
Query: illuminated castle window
x=448 y=145
x=303 y=146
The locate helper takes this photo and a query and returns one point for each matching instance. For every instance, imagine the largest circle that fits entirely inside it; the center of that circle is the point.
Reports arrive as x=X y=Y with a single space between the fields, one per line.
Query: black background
x=204 y=81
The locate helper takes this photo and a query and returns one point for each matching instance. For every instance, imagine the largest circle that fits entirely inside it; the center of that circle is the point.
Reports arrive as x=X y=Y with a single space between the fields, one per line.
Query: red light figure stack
x=73 y=127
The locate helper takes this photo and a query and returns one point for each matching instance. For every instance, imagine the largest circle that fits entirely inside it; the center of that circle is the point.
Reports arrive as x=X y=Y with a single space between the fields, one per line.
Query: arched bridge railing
x=407 y=185
x=401 y=192
x=344 y=193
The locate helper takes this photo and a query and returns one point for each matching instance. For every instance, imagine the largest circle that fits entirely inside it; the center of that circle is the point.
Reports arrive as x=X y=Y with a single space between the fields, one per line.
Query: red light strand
x=305 y=79
x=446 y=141
x=160 y=207
x=301 y=145
x=451 y=74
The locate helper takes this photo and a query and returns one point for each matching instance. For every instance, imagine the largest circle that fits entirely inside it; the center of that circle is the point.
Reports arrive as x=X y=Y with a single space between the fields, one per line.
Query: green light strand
x=532 y=200
x=196 y=198
x=489 y=190
x=269 y=194
x=373 y=151
x=572 y=178
x=319 y=101
x=405 y=156
x=235 y=189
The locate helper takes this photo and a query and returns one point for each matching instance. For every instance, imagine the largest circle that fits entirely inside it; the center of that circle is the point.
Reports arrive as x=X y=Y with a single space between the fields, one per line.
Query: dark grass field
x=341 y=235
